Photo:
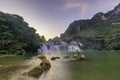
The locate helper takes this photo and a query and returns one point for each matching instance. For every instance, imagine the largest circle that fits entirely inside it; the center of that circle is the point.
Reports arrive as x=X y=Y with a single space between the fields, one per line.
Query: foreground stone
x=38 y=70
x=35 y=72
x=45 y=64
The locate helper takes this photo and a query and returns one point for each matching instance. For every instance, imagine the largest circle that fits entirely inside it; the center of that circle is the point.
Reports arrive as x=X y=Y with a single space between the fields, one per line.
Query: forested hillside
x=16 y=36
x=101 y=32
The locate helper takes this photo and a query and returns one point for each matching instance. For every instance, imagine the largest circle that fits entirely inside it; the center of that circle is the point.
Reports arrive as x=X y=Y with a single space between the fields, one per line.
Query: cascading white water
x=62 y=47
x=73 y=48
x=59 y=68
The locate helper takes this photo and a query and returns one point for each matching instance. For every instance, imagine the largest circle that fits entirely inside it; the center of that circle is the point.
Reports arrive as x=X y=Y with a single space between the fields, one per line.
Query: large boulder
x=38 y=70
x=45 y=64
x=35 y=72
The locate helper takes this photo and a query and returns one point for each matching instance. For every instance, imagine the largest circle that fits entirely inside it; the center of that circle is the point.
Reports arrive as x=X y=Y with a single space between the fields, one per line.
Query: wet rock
x=35 y=72
x=45 y=64
x=41 y=57
x=75 y=56
x=44 y=61
x=53 y=58
x=45 y=67
x=38 y=70
x=57 y=57
x=82 y=57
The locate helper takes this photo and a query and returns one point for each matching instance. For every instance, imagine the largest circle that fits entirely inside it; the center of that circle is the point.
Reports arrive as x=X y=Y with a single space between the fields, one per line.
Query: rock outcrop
x=38 y=70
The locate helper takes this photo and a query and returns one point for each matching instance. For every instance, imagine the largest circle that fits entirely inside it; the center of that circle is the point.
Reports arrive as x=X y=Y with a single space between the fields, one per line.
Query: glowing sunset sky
x=52 y=17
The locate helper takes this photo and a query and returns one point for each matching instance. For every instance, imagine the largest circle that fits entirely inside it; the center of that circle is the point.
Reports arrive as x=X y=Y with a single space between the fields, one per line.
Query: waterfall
x=72 y=46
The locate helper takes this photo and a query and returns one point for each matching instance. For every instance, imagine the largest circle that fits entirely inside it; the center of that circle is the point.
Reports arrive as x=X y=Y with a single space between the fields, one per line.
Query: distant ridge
x=78 y=25
x=97 y=32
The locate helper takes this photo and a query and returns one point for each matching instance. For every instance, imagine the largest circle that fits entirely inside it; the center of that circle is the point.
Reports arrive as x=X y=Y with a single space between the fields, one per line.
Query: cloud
x=79 y=5
x=72 y=5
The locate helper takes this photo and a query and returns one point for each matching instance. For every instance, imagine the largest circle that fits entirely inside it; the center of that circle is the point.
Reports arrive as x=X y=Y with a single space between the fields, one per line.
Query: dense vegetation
x=16 y=36
x=100 y=32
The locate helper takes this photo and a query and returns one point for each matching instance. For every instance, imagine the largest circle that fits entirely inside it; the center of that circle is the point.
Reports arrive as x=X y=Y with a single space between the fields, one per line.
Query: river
x=58 y=70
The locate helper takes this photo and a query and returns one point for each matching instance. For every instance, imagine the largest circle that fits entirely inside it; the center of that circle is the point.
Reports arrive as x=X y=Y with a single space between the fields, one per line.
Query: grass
x=101 y=65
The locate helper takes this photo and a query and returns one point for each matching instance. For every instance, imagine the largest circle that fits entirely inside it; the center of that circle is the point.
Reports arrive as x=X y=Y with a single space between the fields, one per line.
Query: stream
x=58 y=70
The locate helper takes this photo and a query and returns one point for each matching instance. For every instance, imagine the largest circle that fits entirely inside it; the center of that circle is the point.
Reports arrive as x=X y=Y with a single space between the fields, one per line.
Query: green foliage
x=113 y=41
x=97 y=33
x=16 y=35
x=42 y=39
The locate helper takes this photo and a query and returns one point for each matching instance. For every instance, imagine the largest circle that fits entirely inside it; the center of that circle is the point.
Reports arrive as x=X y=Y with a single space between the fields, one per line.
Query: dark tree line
x=16 y=36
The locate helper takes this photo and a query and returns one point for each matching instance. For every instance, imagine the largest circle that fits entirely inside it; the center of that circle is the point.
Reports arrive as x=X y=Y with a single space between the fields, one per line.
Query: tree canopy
x=16 y=35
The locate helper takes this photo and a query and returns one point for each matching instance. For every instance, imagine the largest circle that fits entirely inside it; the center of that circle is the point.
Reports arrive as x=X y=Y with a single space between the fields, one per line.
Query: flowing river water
x=58 y=70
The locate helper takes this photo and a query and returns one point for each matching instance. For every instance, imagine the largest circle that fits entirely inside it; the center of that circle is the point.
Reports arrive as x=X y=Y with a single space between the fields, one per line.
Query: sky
x=52 y=17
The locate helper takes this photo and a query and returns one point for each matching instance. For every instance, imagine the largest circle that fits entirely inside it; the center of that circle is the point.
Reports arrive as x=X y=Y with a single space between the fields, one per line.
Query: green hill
x=16 y=36
x=100 y=32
